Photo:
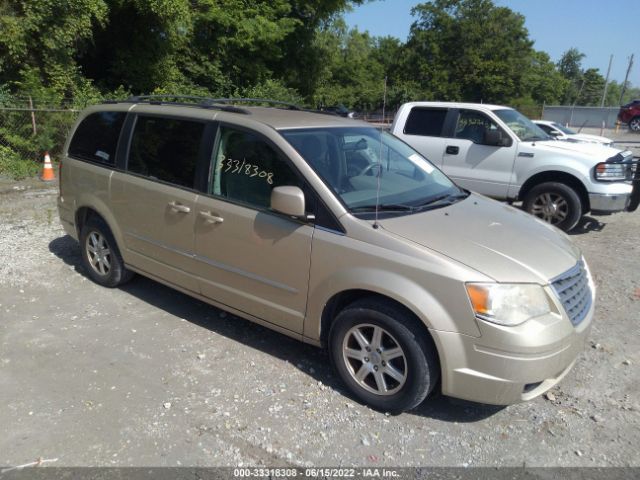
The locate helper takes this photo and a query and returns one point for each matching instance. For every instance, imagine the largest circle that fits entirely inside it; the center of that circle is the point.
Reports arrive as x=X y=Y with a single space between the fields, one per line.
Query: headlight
x=612 y=172
x=507 y=304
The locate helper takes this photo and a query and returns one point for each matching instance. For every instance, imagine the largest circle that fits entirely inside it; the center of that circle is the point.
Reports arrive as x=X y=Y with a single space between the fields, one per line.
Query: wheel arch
x=87 y=209
x=343 y=299
x=559 y=177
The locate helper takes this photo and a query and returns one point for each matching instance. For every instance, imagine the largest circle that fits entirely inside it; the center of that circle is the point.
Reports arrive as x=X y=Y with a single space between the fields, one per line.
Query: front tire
x=100 y=255
x=383 y=356
x=555 y=203
x=634 y=124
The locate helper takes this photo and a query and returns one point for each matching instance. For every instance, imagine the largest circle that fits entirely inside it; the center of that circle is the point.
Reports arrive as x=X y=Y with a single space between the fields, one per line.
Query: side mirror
x=288 y=200
x=494 y=138
x=555 y=133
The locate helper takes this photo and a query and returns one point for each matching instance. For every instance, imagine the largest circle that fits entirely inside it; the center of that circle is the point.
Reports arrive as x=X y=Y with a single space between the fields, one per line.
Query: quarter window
x=97 y=136
x=425 y=121
x=166 y=149
x=246 y=169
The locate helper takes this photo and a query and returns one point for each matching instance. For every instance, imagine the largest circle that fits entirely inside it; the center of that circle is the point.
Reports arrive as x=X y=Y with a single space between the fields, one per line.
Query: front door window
x=246 y=168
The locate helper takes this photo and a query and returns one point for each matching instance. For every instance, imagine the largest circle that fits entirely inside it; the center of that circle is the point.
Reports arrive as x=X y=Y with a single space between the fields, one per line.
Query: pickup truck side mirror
x=495 y=138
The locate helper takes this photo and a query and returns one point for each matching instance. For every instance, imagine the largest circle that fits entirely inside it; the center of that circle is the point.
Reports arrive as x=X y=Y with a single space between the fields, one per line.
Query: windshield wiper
x=384 y=207
x=438 y=201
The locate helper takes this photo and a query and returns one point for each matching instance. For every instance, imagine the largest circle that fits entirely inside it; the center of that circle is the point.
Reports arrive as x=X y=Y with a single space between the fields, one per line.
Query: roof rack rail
x=202 y=102
x=278 y=103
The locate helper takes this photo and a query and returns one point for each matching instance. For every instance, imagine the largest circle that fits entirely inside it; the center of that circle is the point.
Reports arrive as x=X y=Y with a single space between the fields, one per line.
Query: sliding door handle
x=211 y=218
x=178 y=207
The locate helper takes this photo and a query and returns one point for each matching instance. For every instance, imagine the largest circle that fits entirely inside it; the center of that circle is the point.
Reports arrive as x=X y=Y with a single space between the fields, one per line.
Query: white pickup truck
x=500 y=153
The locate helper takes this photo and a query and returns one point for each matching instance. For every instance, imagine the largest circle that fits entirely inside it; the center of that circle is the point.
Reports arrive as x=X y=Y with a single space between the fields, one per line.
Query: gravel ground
x=145 y=376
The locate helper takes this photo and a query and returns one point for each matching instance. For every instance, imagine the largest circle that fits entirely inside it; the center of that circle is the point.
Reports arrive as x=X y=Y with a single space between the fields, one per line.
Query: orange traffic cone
x=47 y=169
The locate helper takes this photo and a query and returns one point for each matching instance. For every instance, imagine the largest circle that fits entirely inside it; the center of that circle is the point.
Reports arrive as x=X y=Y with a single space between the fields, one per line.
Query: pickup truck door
x=422 y=130
x=473 y=164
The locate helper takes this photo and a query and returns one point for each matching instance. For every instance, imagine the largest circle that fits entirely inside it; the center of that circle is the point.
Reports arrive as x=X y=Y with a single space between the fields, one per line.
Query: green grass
x=13 y=166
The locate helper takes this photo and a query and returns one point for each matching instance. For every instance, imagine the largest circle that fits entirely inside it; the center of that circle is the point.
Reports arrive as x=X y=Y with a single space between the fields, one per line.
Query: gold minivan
x=330 y=231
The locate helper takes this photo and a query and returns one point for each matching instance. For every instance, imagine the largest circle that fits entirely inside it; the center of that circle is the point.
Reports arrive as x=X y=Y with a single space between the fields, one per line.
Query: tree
x=468 y=50
x=40 y=39
x=593 y=86
x=542 y=81
x=570 y=66
x=353 y=72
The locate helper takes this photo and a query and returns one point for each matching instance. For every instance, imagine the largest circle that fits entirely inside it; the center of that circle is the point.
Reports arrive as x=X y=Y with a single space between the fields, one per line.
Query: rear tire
x=634 y=124
x=555 y=203
x=383 y=356
x=100 y=255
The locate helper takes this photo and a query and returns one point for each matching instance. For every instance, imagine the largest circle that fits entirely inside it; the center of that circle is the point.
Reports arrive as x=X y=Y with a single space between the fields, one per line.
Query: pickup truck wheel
x=634 y=124
x=555 y=203
x=383 y=356
x=100 y=255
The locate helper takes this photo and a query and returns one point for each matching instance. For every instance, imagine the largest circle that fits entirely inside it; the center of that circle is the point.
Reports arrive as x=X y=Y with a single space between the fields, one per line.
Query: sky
x=598 y=28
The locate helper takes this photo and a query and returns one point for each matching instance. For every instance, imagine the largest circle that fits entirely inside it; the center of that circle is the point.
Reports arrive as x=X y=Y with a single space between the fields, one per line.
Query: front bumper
x=508 y=365
x=608 y=203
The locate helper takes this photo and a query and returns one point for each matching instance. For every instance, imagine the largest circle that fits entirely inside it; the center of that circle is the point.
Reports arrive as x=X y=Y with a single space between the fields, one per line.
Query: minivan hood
x=594 y=151
x=494 y=239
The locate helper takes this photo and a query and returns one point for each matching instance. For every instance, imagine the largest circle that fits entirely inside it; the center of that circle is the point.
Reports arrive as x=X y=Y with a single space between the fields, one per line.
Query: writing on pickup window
x=229 y=165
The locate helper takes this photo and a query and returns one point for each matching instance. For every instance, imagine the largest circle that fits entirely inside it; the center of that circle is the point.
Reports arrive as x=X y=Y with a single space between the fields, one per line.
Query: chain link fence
x=29 y=132
x=26 y=132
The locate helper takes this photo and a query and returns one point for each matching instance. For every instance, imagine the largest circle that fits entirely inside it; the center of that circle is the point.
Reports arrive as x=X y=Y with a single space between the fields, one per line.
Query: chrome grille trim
x=574 y=292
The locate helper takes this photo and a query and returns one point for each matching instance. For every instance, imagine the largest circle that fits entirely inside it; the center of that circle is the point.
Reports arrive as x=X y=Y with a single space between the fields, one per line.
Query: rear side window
x=97 y=136
x=425 y=121
x=166 y=149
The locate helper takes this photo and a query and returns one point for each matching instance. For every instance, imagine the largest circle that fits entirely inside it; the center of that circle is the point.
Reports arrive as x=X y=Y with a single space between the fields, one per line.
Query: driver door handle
x=211 y=218
x=452 y=150
x=177 y=207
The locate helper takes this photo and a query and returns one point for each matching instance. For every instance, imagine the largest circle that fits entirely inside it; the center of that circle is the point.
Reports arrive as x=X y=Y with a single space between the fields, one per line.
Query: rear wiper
x=384 y=207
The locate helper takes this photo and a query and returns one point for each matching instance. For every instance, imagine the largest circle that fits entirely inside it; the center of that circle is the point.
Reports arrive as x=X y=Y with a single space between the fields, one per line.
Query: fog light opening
x=531 y=386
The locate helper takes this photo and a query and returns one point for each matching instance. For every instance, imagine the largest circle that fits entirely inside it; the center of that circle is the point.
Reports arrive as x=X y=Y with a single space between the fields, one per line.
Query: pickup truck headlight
x=507 y=304
x=612 y=172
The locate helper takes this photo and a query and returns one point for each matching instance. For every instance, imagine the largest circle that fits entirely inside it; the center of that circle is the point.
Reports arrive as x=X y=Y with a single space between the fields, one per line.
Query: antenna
x=384 y=104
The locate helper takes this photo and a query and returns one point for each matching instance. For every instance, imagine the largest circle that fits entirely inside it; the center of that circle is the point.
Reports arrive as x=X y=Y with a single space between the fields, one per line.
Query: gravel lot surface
x=146 y=376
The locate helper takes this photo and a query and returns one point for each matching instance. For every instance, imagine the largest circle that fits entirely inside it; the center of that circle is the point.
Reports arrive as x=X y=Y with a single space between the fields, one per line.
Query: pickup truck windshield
x=352 y=161
x=525 y=129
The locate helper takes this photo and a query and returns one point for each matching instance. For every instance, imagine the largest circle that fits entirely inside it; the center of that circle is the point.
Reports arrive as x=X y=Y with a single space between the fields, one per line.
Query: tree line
x=299 y=50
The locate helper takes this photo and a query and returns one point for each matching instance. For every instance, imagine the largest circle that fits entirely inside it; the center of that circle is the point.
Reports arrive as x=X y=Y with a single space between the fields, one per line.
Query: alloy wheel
x=98 y=253
x=374 y=359
x=550 y=207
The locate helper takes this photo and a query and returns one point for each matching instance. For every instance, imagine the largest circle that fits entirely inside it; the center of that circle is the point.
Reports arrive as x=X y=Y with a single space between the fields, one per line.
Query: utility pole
x=626 y=77
x=606 y=82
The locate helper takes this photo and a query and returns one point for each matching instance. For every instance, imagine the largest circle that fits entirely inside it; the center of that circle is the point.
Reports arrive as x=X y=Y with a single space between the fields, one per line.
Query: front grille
x=572 y=288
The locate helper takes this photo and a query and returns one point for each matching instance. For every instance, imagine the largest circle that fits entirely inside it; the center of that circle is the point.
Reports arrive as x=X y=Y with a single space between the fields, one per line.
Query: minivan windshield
x=525 y=129
x=366 y=168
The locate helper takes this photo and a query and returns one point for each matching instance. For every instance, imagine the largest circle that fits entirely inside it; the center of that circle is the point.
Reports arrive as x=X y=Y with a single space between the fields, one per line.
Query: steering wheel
x=369 y=168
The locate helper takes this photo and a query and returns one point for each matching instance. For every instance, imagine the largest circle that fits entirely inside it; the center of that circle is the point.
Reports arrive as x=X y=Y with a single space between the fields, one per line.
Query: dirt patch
x=143 y=375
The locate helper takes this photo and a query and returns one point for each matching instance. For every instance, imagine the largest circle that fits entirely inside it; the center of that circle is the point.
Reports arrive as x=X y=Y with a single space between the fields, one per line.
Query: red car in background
x=630 y=114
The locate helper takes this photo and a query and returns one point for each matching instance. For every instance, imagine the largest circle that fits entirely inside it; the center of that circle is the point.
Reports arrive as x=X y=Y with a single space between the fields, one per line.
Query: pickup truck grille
x=573 y=290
